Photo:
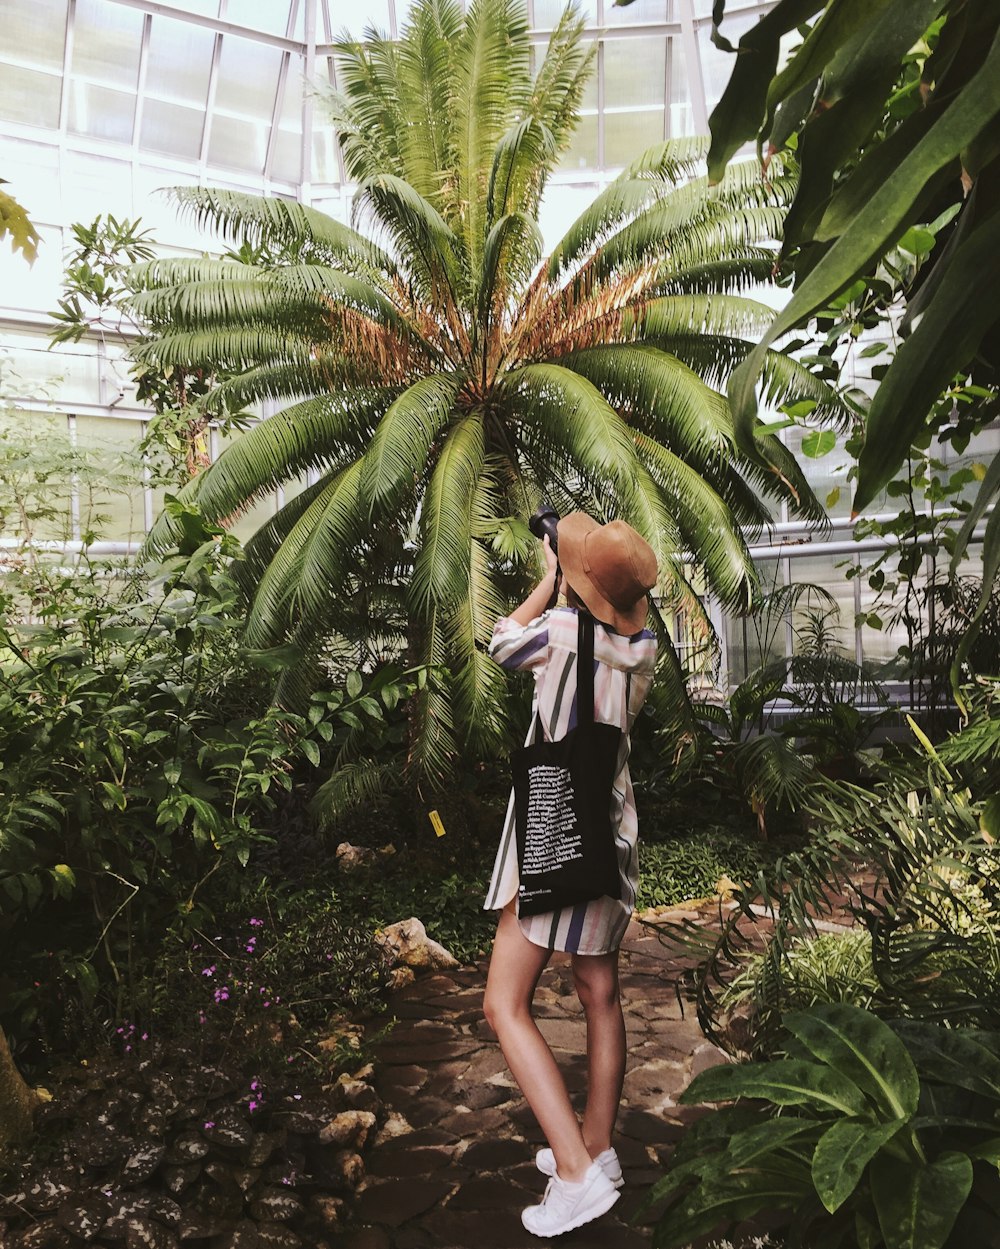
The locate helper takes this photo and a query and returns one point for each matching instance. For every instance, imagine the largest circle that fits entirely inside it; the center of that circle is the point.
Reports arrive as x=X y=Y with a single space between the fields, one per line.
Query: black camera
x=543 y=524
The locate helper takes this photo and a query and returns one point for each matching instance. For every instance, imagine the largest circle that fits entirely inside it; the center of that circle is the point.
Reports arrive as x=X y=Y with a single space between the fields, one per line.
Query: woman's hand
x=551 y=558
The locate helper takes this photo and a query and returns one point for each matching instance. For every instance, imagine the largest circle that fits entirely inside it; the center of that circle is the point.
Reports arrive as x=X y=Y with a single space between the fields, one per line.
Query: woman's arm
x=539 y=598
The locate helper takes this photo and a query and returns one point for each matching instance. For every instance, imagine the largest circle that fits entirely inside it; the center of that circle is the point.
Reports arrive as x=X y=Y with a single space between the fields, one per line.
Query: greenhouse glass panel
x=634 y=72
x=270 y=18
x=238 y=143
x=101 y=112
x=627 y=135
x=716 y=64
x=35 y=475
x=548 y=12
x=204 y=8
x=248 y=77
x=754 y=640
x=679 y=103
x=827 y=475
x=638 y=12
x=111 y=488
x=33 y=32
x=325 y=167
x=880 y=647
x=106 y=42
x=286 y=156
x=29 y=96
x=582 y=150
x=356 y=19
x=812 y=608
x=172 y=129
x=179 y=62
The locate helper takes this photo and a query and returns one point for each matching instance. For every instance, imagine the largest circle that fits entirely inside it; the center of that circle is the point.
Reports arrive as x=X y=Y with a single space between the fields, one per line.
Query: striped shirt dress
x=623 y=673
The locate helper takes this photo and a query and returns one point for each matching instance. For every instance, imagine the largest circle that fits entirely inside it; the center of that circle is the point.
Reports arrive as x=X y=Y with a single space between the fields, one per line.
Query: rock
x=340 y=1032
x=395 y=1125
x=355 y=1094
x=276 y=1205
x=407 y=942
x=331 y=1211
x=401 y=978
x=351 y=858
x=349 y=1129
x=367 y=1072
x=347 y=1170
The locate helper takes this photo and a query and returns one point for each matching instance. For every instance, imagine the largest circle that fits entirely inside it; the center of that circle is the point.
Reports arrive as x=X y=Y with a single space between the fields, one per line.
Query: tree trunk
x=17 y=1101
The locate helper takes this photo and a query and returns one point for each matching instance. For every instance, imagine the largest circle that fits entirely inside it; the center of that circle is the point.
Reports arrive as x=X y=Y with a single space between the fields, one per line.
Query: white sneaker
x=566 y=1206
x=545 y=1161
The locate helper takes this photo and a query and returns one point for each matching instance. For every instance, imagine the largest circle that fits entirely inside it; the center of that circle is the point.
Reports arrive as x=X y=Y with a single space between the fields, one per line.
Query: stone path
x=453 y=1165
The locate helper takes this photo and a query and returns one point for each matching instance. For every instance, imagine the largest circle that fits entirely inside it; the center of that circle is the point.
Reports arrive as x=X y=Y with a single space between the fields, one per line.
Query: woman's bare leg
x=515 y=968
x=596 y=979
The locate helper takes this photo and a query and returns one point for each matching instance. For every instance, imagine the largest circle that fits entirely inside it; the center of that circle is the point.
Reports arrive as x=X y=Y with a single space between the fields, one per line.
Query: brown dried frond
x=571 y=321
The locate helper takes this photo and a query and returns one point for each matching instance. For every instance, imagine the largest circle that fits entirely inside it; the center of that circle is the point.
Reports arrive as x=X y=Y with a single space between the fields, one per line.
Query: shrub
x=141 y=759
x=689 y=867
x=862 y=1135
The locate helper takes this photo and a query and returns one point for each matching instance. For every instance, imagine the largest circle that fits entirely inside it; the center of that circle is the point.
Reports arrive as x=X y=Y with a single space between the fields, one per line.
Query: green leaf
x=833 y=498
x=355 y=684
x=787 y=1082
x=866 y=229
x=917 y=1203
x=14 y=222
x=989 y=819
x=737 y=117
x=944 y=341
x=841 y=1155
x=310 y=750
x=819 y=442
x=863 y=1049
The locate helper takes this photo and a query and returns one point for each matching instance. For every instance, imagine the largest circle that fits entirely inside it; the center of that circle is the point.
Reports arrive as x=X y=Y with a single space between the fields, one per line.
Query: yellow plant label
x=435 y=819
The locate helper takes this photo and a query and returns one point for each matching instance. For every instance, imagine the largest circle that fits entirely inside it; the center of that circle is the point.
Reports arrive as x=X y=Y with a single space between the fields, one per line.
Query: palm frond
x=430 y=252
x=556 y=406
x=314 y=434
x=512 y=250
x=441 y=569
x=282 y=224
x=226 y=349
x=690 y=313
x=263 y=544
x=480 y=686
x=562 y=79
x=704 y=519
x=433 y=748
x=405 y=434
x=491 y=88
x=305 y=578
x=659 y=395
x=353 y=786
x=367 y=110
x=745 y=268
x=714 y=357
x=674 y=160
x=425 y=71
x=521 y=162
x=650 y=178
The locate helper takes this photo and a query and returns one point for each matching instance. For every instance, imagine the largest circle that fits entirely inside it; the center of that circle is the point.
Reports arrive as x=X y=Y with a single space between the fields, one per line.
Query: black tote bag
x=562 y=804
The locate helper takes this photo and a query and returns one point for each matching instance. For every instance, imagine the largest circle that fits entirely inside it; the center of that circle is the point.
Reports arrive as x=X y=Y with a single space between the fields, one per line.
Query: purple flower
x=256 y=923
x=254 y=1086
x=253 y=1106
x=209 y=1124
x=208 y=971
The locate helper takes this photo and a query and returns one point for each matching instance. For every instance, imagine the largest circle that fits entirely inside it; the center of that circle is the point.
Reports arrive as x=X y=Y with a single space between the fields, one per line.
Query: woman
x=607 y=570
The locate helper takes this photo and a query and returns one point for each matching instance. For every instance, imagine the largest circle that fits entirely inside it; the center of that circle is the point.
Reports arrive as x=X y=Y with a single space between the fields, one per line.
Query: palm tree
x=441 y=375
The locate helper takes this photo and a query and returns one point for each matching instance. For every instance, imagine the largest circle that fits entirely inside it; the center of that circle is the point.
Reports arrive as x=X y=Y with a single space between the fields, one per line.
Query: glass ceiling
x=221 y=86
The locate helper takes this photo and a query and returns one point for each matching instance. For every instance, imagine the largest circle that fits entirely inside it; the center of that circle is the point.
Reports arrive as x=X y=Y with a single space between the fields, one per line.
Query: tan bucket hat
x=610 y=567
